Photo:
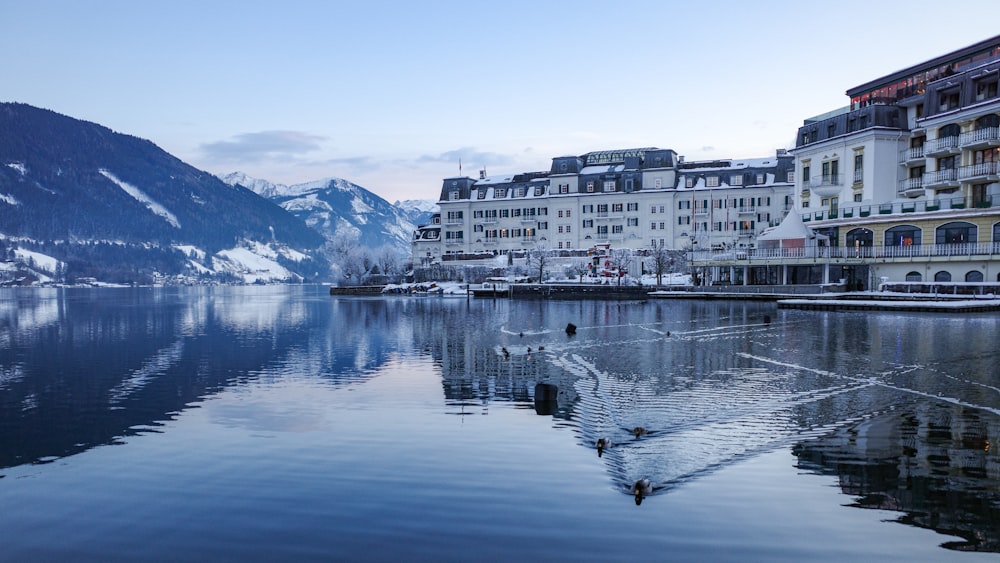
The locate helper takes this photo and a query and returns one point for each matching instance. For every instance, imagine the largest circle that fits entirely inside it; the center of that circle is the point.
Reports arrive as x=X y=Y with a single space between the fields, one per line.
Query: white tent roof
x=791 y=227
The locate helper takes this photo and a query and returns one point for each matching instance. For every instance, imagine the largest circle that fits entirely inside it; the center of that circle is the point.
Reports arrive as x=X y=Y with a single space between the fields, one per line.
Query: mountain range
x=80 y=201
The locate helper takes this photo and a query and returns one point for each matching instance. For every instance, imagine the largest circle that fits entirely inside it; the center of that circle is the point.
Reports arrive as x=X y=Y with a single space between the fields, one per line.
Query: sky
x=397 y=95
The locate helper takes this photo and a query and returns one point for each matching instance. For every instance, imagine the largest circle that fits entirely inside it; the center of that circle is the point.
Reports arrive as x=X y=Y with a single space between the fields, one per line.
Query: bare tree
x=619 y=259
x=577 y=269
x=661 y=261
x=537 y=260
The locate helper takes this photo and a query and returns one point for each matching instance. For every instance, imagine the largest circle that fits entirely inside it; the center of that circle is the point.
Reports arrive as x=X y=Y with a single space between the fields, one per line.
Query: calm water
x=277 y=423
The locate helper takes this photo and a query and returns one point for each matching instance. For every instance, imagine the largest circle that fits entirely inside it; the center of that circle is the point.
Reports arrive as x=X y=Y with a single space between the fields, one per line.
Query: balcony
x=454 y=241
x=911 y=187
x=912 y=156
x=827 y=185
x=941 y=179
x=943 y=146
x=528 y=219
x=454 y=221
x=980 y=138
x=982 y=171
x=752 y=210
x=529 y=238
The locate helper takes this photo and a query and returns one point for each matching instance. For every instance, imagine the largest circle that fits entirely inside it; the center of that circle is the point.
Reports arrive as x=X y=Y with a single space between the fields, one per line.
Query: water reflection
x=903 y=409
x=933 y=462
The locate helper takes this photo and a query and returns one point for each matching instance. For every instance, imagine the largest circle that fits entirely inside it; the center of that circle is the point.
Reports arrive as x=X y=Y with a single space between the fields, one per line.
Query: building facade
x=903 y=181
x=626 y=198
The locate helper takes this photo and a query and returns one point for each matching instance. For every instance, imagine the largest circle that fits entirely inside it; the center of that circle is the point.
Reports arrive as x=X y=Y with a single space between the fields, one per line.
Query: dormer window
x=453 y=195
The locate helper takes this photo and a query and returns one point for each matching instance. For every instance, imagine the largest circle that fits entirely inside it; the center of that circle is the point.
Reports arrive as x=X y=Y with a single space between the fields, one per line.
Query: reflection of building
x=936 y=463
x=632 y=198
x=904 y=181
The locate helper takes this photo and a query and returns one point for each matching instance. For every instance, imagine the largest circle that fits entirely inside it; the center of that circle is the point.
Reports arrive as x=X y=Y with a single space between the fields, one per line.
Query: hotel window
x=564 y=188
x=609 y=185
x=712 y=181
x=652 y=226
x=568 y=228
x=689 y=182
x=857 y=198
x=559 y=244
x=663 y=226
x=986 y=90
x=633 y=221
x=602 y=208
x=760 y=178
x=859 y=166
x=736 y=180
x=453 y=195
x=684 y=204
x=661 y=209
x=590 y=187
x=948 y=101
x=543 y=210
x=499 y=192
x=477 y=228
x=559 y=229
x=560 y=213
x=477 y=214
x=515 y=213
x=539 y=190
x=543 y=225
x=589 y=208
x=481 y=194
x=634 y=206
x=652 y=209
x=790 y=177
x=568 y=212
x=616 y=208
x=657 y=183
x=504 y=213
x=518 y=192
x=806 y=171
x=588 y=223
x=616 y=229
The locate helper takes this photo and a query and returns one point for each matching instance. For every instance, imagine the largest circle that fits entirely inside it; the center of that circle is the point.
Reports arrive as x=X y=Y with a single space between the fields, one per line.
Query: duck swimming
x=639 y=431
x=602 y=444
x=641 y=488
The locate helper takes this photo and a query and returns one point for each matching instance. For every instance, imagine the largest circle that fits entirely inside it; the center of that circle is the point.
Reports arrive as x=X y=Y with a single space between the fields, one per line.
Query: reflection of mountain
x=80 y=368
x=936 y=463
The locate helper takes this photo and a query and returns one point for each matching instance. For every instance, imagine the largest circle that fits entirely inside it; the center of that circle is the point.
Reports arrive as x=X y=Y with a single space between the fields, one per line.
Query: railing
x=944 y=144
x=912 y=153
x=915 y=206
x=747 y=210
x=986 y=135
x=458 y=221
x=454 y=241
x=859 y=175
x=945 y=176
x=852 y=252
x=601 y=236
x=529 y=238
x=910 y=184
x=828 y=180
x=976 y=170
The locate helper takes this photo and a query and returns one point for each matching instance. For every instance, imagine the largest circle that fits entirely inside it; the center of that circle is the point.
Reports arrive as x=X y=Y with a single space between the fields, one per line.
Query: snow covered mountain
x=79 y=201
x=334 y=206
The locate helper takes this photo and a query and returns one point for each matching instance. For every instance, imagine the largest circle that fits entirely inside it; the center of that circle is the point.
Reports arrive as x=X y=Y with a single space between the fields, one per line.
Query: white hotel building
x=629 y=198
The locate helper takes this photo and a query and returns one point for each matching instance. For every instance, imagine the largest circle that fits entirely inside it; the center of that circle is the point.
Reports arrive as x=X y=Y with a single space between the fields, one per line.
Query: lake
x=280 y=423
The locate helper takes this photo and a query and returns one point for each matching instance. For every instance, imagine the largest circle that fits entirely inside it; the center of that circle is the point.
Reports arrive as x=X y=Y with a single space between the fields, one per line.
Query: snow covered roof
x=602 y=169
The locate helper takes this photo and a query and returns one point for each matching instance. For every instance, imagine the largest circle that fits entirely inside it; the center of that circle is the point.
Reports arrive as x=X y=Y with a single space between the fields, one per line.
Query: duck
x=602 y=444
x=506 y=354
x=641 y=488
x=639 y=431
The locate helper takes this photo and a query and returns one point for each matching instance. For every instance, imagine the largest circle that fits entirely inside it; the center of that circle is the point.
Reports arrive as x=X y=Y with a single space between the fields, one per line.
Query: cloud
x=262 y=145
x=471 y=156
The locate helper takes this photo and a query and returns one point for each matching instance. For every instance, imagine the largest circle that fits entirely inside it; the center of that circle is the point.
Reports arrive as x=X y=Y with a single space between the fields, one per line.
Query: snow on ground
x=188 y=250
x=252 y=267
x=19 y=166
x=41 y=261
x=9 y=199
x=140 y=196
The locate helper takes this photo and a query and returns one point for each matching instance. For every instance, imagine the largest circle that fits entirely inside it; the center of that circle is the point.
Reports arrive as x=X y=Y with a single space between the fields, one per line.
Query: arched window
x=996 y=232
x=987 y=121
x=942 y=276
x=914 y=277
x=974 y=276
x=859 y=237
x=956 y=232
x=903 y=235
x=950 y=130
